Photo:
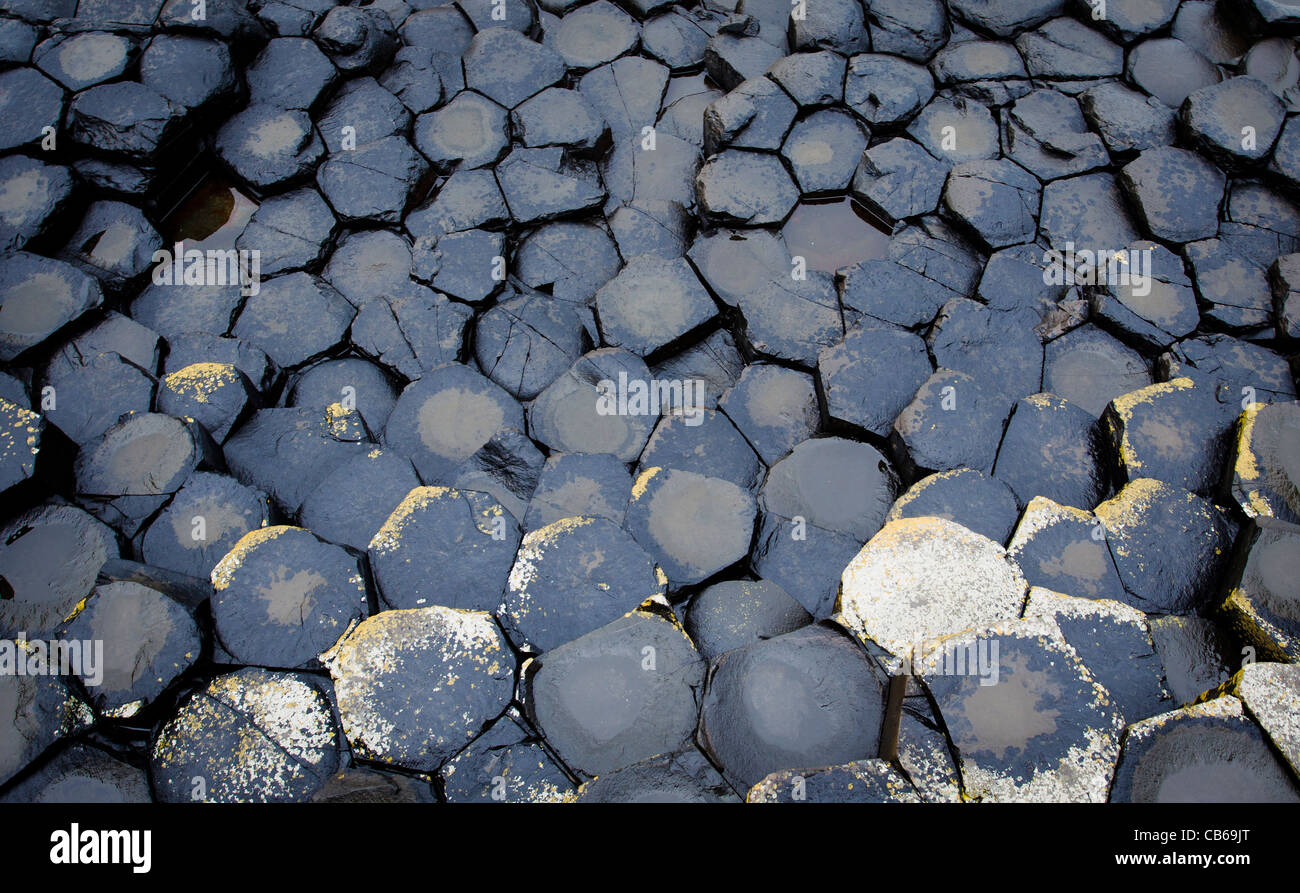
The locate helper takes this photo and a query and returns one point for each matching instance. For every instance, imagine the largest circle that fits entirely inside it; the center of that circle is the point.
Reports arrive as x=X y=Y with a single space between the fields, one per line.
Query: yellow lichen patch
x=1247 y=467
x=643 y=481
x=199 y=381
x=225 y=570
x=387 y=537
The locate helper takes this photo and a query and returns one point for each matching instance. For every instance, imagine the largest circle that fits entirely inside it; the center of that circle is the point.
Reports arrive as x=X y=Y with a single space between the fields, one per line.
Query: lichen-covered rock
x=862 y=781
x=1263 y=588
x=414 y=686
x=1266 y=441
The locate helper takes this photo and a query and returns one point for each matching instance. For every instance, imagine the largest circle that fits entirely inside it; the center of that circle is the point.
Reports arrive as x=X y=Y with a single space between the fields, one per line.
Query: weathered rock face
x=350 y=346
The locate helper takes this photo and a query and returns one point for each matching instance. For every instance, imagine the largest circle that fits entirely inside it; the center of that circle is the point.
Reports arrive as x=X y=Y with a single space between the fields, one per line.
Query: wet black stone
x=17 y=40
x=190 y=71
x=1235 y=290
x=126 y=474
x=757 y=114
x=1169 y=69
x=444 y=547
x=1063 y=549
x=812 y=79
x=1174 y=432
x=1259 y=223
x=357 y=38
x=352 y=381
x=990 y=345
x=29 y=102
x=568 y=416
x=595 y=485
x=1089 y=368
x=1005 y=17
x=885 y=91
x=291 y=18
x=691 y=524
x=371 y=111
x=123 y=118
x=1194 y=653
x=1273 y=62
x=987 y=71
x=202 y=523
x=618 y=695
x=525 y=343
x=967 y=497
x=658 y=228
x=685 y=102
x=445 y=417
x=186 y=349
x=358 y=785
x=371 y=263
x=440 y=28
x=683 y=777
x=833 y=484
x=49 y=558
x=823 y=151
x=803 y=559
x=415 y=79
x=870 y=376
x=252 y=736
x=995 y=200
x=806 y=698
x=664 y=172
x=292 y=231
x=1140 y=523
x=710 y=446
x=715 y=362
x=730 y=59
x=1224 y=360
x=540 y=184
x=290 y=73
x=914 y=29
x=1052 y=448
x=79 y=61
x=462 y=264
x=353 y=501
x=1222 y=37
x=928 y=266
x=1066 y=48
x=734 y=614
x=1262 y=591
x=39 y=296
x=148 y=641
x=229 y=19
x=570 y=260
x=83 y=774
x=506 y=764
x=558 y=117
x=1166 y=312
x=1262 y=479
x=859 y=781
x=1215 y=119
x=20 y=443
x=651 y=303
x=593 y=35
x=506 y=468
x=1015 y=280
x=216 y=395
x=92 y=391
x=269 y=147
x=294 y=318
x=482 y=14
x=287 y=452
x=952 y=422
x=899 y=179
x=412 y=332
x=1127 y=120
x=1089 y=211
x=37 y=711
x=469 y=130
x=1045 y=133
x=955 y=129
x=374 y=182
x=626 y=93
x=282 y=596
x=674 y=39
x=1210 y=753
x=833 y=25
x=508 y=68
